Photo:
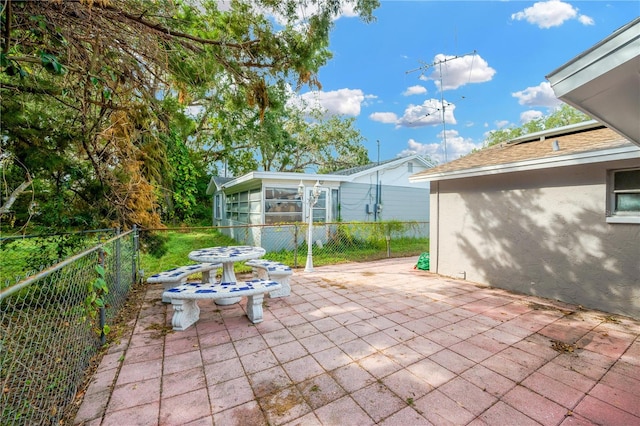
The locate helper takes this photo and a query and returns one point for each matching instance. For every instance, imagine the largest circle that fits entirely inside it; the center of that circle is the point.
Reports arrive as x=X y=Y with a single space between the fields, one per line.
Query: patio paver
x=373 y=343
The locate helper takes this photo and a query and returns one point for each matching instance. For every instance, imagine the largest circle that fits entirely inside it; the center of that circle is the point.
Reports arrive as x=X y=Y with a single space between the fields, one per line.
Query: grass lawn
x=16 y=257
x=181 y=243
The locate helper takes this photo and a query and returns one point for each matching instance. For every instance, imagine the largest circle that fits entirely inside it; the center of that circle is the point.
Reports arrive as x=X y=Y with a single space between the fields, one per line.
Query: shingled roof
x=539 y=147
x=358 y=169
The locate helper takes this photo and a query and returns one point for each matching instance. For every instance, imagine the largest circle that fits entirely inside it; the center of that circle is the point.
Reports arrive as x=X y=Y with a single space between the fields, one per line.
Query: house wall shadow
x=542 y=234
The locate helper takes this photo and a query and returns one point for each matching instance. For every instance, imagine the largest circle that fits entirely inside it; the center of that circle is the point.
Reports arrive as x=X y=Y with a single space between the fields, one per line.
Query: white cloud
x=341 y=102
x=369 y=100
x=502 y=123
x=303 y=12
x=530 y=115
x=551 y=13
x=456 y=71
x=415 y=147
x=347 y=11
x=586 y=20
x=384 y=117
x=540 y=95
x=456 y=147
x=429 y=113
x=415 y=90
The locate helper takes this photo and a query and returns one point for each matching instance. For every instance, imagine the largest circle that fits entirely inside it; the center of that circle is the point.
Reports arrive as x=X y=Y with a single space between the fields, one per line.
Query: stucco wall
x=541 y=233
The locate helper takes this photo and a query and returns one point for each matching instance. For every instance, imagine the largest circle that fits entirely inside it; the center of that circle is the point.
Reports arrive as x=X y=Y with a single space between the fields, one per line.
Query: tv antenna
x=443 y=106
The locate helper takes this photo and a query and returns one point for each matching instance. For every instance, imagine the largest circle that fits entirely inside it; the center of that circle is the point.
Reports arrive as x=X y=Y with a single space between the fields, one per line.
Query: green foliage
x=52 y=64
x=563 y=116
x=93 y=90
x=352 y=236
x=53 y=249
x=283 y=138
x=97 y=289
x=349 y=243
x=391 y=227
x=184 y=177
x=24 y=256
x=14 y=257
x=177 y=246
x=154 y=243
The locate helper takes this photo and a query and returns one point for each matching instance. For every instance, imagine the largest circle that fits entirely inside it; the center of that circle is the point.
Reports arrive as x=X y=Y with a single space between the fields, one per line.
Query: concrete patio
x=373 y=343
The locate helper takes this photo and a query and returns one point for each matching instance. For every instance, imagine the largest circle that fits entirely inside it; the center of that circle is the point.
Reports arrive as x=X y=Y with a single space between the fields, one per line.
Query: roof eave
x=292 y=176
x=599 y=156
x=604 y=81
x=386 y=165
x=211 y=187
x=549 y=133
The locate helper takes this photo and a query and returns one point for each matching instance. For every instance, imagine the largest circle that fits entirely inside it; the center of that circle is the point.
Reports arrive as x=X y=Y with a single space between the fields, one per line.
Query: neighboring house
x=554 y=214
x=375 y=192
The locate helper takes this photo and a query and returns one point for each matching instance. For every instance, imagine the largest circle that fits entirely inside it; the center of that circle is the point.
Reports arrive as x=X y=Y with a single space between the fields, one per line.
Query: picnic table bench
x=272 y=270
x=184 y=299
x=179 y=275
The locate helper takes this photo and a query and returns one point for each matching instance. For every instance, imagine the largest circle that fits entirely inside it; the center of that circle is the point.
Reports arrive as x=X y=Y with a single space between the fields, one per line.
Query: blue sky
x=388 y=74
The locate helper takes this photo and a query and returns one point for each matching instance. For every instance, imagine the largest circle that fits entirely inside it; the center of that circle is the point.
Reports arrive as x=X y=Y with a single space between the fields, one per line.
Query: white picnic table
x=227 y=256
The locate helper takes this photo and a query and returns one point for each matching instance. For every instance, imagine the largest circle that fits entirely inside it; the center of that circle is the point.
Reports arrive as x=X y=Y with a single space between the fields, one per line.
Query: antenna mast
x=443 y=106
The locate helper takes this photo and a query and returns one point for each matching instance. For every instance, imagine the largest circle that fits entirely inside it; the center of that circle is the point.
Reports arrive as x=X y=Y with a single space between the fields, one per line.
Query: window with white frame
x=320 y=208
x=232 y=206
x=624 y=196
x=217 y=208
x=335 y=205
x=282 y=205
x=244 y=206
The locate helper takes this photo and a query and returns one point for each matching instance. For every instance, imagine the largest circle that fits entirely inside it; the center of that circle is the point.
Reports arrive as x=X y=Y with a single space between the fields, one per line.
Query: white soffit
x=604 y=81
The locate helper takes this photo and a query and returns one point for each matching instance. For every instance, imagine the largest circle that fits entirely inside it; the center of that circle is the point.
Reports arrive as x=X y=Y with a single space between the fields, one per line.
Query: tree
x=563 y=116
x=86 y=91
x=287 y=138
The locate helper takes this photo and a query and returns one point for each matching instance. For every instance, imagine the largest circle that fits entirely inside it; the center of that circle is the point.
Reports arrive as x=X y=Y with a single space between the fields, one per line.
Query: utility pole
x=375 y=206
x=443 y=106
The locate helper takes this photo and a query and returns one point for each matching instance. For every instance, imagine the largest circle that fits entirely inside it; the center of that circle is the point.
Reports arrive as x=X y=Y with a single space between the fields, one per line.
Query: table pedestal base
x=228 y=276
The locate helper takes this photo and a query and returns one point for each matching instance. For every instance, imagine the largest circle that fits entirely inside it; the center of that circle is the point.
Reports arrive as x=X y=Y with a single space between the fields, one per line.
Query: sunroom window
x=282 y=205
x=244 y=206
x=320 y=208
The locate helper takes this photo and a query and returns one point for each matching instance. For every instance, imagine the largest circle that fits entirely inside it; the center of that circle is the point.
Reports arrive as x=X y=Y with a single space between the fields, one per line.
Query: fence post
x=388 y=238
x=134 y=255
x=118 y=265
x=295 y=245
x=103 y=312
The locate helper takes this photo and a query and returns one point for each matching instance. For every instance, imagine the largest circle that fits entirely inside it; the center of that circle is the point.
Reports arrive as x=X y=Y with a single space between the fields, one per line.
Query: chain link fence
x=335 y=242
x=294 y=243
x=26 y=255
x=54 y=322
